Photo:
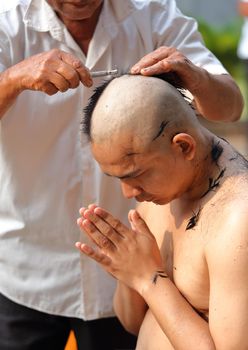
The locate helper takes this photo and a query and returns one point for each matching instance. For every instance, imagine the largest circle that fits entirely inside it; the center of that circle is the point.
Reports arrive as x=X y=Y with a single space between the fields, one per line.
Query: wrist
x=13 y=81
x=201 y=84
x=151 y=281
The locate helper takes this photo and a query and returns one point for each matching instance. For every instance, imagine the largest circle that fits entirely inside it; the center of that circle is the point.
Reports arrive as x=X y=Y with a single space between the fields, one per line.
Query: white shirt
x=46 y=169
x=243 y=43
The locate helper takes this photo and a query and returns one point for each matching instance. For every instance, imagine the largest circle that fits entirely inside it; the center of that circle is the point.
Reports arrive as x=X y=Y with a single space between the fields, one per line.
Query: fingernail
x=145 y=69
x=78 y=221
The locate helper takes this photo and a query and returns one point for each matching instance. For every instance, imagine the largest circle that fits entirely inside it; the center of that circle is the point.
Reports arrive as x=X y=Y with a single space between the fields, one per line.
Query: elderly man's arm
x=216 y=97
x=243 y=8
x=48 y=72
x=130 y=307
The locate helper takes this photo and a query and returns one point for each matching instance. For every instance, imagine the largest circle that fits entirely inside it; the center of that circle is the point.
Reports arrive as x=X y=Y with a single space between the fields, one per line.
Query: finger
x=81 y=226
x=116 y=224
x=105 y=228
x=82 y=210
x=84 y=75
x=92 y=253
x=156 y=69
x=49 y=89
x=96 y=236
x=59 y=82
x=91 y=207
x=70 y=74
x=130 y=220
x=138 y=223
x=151 y=59
x=82 y=71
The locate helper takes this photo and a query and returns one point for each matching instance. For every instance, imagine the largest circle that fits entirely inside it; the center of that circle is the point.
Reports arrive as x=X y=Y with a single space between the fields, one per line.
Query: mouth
x=77 y=4
x=139 y=199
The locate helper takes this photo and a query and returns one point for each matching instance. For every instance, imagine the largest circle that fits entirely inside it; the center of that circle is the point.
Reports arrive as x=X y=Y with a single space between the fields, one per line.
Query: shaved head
x=141 y=108
x=143 y=131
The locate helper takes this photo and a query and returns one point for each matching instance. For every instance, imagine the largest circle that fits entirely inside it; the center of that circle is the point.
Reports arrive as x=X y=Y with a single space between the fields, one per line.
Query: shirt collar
x=41 y=17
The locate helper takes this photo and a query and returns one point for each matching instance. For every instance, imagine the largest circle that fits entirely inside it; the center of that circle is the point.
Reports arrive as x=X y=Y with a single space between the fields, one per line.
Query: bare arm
x=217 y=97
x=48 y=72
x=243 y=8
x=132 y=311
x=123 y=250
x=227 y=258
x=9 y=90
x=133 y=257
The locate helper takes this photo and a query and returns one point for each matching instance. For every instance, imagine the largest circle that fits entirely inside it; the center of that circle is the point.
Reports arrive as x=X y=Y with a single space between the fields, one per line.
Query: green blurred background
x=220 y=25
x=223 y=42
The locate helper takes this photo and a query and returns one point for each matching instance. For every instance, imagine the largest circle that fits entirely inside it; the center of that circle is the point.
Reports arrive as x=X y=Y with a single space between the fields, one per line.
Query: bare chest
x=184 y=257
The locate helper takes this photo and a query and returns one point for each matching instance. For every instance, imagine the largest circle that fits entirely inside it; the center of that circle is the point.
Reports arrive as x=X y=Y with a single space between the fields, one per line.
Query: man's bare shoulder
x=232 y=196
x=228 y=217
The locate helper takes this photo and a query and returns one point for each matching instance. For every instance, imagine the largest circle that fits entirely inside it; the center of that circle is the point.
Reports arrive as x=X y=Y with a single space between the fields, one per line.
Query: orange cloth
x=71 y=343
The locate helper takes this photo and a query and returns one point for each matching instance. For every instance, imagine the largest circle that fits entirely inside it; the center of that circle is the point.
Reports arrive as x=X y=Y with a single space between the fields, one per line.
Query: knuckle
x=163 y=63
x=77 y=64
x=70 y=75
x=43 y=67
x=117 y=225
x=161 y=49
x=173 y=50
x=104 y=242
x=108 y=231
x=54 y=51
x=154 y=59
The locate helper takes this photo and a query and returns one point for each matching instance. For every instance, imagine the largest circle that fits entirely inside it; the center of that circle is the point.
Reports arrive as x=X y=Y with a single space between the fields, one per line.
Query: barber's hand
x=131 y=256
x=168 y=59
x=50 y=72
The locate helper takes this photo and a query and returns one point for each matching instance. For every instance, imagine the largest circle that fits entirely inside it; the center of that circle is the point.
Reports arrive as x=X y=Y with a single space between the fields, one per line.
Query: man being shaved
x=182 y=268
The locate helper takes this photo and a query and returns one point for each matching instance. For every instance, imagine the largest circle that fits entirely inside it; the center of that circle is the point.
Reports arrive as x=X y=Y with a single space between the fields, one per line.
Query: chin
x=79 y=11
x=159 y=201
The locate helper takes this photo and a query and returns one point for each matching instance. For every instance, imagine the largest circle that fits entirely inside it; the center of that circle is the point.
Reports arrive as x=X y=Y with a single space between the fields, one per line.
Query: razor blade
x=103 y=73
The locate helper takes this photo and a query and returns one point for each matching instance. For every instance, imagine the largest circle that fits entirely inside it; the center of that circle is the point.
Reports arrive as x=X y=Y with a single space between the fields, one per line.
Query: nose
x=130 y=191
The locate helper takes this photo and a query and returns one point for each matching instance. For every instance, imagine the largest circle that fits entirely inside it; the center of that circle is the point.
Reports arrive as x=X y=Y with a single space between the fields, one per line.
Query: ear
x=185 y=144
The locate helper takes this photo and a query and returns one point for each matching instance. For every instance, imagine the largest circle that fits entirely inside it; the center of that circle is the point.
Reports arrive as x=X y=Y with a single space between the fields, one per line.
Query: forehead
x=119 y=161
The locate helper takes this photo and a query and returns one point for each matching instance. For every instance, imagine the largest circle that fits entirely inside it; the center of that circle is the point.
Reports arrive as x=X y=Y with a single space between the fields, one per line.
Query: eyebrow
x=126 y=176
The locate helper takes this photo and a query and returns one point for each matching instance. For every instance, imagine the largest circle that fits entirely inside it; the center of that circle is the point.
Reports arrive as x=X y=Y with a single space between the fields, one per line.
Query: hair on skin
x=88 y=110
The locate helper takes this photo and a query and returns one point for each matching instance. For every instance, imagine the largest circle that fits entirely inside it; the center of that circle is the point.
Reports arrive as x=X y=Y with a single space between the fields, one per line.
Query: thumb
x=137 y=223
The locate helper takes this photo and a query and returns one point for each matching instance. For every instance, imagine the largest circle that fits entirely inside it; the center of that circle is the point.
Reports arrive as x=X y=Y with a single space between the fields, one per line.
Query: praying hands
x=130 y=255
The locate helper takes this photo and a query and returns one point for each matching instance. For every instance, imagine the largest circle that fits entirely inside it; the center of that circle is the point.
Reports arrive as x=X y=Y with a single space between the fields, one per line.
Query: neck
x=83 y=30
x=207 y=178
x=205 y=181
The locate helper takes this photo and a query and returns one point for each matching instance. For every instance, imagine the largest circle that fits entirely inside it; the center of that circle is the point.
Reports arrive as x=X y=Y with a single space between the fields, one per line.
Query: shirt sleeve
x=171 y=28
x=4 y=50
x=12 y=37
